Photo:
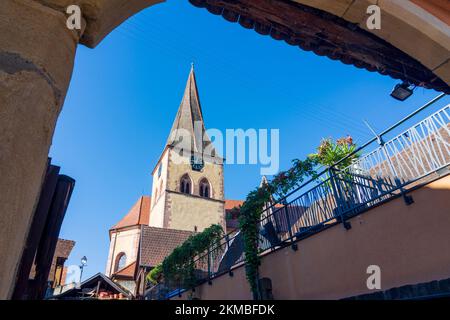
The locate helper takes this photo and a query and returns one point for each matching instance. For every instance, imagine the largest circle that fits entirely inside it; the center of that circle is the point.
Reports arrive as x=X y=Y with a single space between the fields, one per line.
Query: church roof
x=231 y=204
x=127 y=271
x=139 y=214
x=189 y=120
x=158 y=243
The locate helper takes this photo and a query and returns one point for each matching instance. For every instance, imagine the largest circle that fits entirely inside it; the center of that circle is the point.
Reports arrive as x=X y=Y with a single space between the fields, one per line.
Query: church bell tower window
x=205 y=189
x=185 y=184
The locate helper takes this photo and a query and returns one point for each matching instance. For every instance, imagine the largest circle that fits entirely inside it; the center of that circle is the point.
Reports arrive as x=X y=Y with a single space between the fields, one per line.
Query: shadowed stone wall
x=36 y=60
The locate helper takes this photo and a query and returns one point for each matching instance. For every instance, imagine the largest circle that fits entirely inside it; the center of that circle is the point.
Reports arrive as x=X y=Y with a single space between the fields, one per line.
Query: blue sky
x=125 y=93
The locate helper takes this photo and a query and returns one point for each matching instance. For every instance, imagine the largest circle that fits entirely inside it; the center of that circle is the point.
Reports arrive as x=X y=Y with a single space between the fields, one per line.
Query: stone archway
x=36 y=60
x=37 y=53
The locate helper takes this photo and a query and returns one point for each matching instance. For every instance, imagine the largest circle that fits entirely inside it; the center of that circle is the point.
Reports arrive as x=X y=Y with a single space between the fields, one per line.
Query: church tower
x=188 y=191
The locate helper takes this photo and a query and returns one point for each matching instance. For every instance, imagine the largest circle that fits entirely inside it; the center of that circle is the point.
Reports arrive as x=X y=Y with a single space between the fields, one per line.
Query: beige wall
x=409 y=243
x=126 y=241
x=171 y=209
x=180 y=165
x=224 y=287
x=188 y=212
x=438 y=8
x=158 y=192
x=184 y=212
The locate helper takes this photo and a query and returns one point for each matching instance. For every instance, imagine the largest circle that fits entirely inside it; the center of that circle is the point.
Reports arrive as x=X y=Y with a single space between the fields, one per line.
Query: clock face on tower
x=197 y=163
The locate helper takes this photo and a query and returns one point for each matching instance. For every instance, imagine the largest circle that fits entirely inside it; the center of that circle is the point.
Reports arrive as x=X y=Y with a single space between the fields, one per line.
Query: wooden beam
x=35 y=233
x=47 y=246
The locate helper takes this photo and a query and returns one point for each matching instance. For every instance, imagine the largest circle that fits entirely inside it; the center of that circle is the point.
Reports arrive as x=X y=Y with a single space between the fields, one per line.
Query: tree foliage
x=155 y=275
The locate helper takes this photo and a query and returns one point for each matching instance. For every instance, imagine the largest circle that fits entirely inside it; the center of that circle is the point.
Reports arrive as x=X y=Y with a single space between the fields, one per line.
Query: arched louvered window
x=185 y=184
x=159 y=170
x=161 y=190
x=205 y=188
x=121 y=261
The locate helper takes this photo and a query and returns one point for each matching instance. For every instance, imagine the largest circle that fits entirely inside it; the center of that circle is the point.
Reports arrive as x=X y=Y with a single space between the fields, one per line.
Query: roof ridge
x=141 y=199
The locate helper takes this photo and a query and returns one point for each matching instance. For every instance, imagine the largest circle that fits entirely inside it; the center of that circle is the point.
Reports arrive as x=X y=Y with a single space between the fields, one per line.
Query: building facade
x=189 y=174
x=187 y=197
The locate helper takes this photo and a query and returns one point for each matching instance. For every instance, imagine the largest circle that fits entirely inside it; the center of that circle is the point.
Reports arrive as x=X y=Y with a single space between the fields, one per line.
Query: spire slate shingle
x=189 y=122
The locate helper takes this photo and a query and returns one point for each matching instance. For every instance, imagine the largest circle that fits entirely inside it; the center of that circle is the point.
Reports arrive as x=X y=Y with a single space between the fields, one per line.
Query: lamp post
x=82 y=265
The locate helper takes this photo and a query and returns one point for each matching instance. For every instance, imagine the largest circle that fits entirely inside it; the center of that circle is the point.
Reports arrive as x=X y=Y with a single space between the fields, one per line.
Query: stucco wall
x=179 y=165
x=184 y=212
x=224 y=287
x=158 y=191
x=188 y=212
x=126 y=241
x=409 y=244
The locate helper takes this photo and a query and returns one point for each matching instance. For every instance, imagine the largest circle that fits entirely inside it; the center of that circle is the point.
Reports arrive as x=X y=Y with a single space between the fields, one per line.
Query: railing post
x=339 y=198
x=227 y=239
x=288 y=221
x=408 y=199
x=209 y=266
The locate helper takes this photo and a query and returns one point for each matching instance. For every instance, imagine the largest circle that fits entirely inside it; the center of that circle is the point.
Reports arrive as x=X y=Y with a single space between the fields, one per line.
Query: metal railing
x=415 y=152
x=335 y=195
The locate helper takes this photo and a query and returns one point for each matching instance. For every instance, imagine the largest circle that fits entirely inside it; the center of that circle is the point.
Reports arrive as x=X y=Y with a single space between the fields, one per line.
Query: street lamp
x=82 y=265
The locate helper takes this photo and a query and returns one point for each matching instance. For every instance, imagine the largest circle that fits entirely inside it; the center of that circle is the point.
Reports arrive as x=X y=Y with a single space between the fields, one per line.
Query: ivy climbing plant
x=179 y=266
x=328 y=153
x=155 y=275
x=253 y=207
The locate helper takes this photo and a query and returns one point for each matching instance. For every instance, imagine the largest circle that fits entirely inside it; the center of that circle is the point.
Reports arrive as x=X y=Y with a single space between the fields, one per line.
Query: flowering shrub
x=330 y=152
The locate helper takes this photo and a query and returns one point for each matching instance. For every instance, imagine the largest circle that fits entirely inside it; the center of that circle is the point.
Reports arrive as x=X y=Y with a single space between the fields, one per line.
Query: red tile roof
x=138 y=215
x=158 y=243
x=230 y=204
x=128 y=271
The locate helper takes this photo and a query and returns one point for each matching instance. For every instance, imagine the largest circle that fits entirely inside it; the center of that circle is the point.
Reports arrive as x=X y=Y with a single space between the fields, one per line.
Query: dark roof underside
x=326 y=35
